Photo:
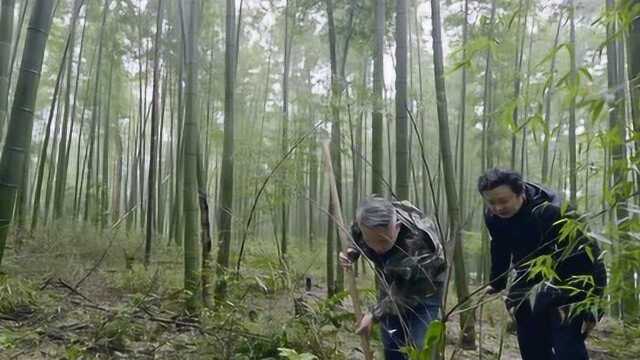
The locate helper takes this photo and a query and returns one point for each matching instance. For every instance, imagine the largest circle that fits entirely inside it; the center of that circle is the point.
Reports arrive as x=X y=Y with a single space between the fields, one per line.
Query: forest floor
x=82 y=299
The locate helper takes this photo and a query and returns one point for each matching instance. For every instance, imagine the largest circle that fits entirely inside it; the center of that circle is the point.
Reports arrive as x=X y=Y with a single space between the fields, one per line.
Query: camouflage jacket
x=413 y=269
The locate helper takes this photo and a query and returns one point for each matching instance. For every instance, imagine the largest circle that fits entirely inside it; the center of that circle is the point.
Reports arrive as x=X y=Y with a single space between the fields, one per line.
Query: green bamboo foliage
x=18 y=141
x=6 y=32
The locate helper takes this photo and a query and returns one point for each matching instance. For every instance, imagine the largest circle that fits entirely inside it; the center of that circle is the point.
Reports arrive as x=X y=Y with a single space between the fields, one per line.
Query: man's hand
x=365 y=325
x=346 y=258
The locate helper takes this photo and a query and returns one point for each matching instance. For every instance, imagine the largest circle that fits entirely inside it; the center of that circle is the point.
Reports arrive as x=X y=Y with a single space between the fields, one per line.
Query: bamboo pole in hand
x=344 y=239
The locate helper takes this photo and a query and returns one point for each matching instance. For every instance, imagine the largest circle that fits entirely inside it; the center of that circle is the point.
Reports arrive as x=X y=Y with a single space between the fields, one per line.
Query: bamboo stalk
x=349 y=276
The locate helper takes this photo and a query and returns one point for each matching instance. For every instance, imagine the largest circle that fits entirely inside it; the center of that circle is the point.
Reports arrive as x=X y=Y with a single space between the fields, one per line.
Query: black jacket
x=535 y=231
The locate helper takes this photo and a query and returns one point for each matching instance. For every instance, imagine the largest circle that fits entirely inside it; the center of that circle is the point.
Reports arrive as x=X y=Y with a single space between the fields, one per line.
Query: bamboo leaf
x=586 y=73
x=552 y=53
x=596 y=109
x=599 y=237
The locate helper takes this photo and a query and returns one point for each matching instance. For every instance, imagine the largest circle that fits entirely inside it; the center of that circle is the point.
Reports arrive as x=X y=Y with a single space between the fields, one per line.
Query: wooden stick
x=344 y=239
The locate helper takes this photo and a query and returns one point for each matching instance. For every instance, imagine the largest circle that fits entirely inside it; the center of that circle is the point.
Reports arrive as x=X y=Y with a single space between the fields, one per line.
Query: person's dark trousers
x=545 y=337
x=410 y=329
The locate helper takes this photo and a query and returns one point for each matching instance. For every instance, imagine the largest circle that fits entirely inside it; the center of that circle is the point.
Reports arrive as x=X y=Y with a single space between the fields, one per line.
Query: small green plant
x=112 y=336
x=7 y=340
x=115 y=331
x=135 y=280
x=16 y=295
x=262 y=348
x=74 y=352
x=331 y=311
x=291 y=354
x=17 y=338
x=433 y=343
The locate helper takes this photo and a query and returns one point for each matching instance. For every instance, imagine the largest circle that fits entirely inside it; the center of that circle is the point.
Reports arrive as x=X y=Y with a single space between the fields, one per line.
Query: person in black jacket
x=524 y=221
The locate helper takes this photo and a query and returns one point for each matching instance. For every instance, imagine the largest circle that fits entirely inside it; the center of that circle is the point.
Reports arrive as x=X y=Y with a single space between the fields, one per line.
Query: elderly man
x=409 y=261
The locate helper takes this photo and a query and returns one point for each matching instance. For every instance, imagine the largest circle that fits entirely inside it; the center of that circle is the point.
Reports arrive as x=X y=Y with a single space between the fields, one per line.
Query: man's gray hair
x=375 y=212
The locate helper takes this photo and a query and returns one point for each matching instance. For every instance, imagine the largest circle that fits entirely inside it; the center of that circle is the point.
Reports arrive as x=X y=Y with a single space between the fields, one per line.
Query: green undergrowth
x=71 y=292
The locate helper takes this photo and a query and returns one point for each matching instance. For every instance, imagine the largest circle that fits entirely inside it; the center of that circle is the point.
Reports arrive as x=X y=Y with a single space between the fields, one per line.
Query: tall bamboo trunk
x=6 y=34
x=402 y=150
x=20 y=127
x=573 y=182
x=153 y=158
x=284 y=210
x=517 y=79
x=633 y=70
x=334 y=285
x=105 y=206
x=483 y=268
x=45 y=144
x=548 y=94
x=192 y=248
x=377 y=126
x=467 y=319
x=14 y=51
x=94 y=118
x=463 y=113
x=619 y=170
x=226 y=175
x=116 y=192
x=65 y=141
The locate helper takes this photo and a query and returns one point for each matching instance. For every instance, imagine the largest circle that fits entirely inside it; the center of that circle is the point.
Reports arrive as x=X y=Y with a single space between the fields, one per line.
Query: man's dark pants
x=409 y=329
x=545 y=336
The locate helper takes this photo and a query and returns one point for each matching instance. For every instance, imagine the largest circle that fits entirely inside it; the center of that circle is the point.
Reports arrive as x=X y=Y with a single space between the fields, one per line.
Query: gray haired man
x=409 y=261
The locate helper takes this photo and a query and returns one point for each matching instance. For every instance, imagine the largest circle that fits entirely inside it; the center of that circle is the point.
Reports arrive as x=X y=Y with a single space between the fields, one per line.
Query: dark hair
x=495 y=177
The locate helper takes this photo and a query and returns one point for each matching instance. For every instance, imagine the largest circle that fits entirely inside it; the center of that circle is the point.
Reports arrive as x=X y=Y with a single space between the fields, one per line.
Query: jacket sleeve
x=500 y=256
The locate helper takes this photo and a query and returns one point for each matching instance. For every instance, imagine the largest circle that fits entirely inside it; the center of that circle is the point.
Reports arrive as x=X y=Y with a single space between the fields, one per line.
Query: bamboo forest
x=237 y=179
